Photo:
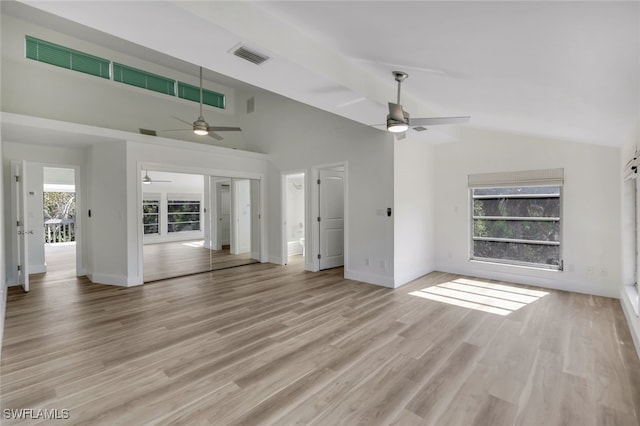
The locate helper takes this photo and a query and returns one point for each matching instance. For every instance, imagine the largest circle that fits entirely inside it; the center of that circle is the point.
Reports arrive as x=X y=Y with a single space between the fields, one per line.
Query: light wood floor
x=267 y=344
x=175 y=259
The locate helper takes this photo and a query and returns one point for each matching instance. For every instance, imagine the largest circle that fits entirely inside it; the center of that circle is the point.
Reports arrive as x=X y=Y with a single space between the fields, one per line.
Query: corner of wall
x=368 y=278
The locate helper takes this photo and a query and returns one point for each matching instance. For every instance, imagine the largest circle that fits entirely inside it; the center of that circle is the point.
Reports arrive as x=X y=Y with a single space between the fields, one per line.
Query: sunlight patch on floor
x=483 y=296
x=194 y=243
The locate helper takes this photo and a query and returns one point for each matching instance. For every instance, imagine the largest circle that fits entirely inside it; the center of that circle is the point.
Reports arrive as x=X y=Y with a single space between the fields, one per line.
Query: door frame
x=80 y=221
x=315 y=213
x=77 y=179
x=284 y=254
x=167 y=167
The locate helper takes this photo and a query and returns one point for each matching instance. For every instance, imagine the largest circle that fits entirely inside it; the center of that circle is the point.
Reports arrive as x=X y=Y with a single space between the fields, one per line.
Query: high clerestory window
x=61 y=56
x=146 y=80
x=516 y=218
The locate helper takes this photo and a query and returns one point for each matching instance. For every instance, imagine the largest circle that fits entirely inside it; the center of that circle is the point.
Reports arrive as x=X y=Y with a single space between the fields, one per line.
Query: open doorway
x=59 y=200
x=294 y=212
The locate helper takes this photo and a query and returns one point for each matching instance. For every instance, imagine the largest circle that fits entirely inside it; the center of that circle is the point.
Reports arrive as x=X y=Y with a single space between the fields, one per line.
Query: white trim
x=369 y=278
x=632 y=320
x=407 y=278
x=108 y=279
x=37 y=269
x=631 y=293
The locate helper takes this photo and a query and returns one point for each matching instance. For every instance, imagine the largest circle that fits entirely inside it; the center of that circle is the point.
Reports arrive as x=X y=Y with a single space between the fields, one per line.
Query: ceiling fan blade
x=395 y=111
x=224 y=129
x=173 y=130
x=215 y=135
x=432 y=121
x=190 y=124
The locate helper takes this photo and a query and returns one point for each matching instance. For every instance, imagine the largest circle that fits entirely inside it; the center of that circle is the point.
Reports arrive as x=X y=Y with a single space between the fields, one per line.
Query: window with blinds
x=143 y=79
x=151 y=215
x=516 y=218
x=192 y=93
x=60 y=56
x=183 y=214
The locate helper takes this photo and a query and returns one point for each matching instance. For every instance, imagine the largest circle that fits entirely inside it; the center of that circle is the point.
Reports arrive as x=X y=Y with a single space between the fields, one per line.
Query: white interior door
x=331 y=201
x=19 y=200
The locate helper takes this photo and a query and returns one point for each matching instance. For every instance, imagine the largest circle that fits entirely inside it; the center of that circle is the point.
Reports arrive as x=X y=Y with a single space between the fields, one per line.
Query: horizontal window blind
x=60 y=56
x=192 y=93
x=522 y=178
x=146 y=80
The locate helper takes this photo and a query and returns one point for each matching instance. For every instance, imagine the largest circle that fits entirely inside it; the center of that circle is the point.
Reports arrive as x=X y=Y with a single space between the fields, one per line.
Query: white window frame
x=631 y=174
x=529 y=178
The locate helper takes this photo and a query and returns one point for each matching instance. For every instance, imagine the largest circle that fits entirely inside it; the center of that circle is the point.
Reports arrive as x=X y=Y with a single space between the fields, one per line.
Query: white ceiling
x=566 y=70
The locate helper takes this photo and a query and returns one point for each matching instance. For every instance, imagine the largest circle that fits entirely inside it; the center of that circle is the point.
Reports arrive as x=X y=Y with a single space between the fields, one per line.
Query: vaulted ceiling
x=565 y=70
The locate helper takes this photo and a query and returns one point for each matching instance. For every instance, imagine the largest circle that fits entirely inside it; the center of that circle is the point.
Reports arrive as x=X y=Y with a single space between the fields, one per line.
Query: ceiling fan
x=148 y=181
x=201 y=127
x=398 y=120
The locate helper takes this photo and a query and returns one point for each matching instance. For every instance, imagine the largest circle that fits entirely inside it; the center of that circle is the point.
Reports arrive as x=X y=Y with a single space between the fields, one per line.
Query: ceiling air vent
x=249 y=55
x=419 y=128
x=148 y=132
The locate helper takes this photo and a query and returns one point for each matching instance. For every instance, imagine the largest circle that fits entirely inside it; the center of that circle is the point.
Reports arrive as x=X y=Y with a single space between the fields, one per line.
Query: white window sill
x=632 y=294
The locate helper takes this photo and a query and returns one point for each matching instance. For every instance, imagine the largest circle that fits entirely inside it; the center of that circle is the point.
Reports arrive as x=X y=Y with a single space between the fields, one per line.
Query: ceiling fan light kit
x=200 y=127
x=146 y=180
x=398 y=119
x=395 y=127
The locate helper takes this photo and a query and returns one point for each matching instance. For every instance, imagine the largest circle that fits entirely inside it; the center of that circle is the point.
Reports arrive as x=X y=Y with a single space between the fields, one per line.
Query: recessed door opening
x=59 y=209
x=294 y=233
x=196 y=223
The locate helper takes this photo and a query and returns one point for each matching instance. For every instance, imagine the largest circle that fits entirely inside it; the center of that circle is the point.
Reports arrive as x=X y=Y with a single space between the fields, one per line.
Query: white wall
x=298 y=137
x=33 y=88
x=413 y=210
x=591 y=208
x=108 y=205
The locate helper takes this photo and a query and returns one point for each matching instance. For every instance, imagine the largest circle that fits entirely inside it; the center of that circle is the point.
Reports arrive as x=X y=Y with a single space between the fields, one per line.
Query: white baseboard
x=276 y=259
x=407 y=278
x=556 y=279
x=37 y=269
x=118 y=280
x=632 y=319
x=369 y=278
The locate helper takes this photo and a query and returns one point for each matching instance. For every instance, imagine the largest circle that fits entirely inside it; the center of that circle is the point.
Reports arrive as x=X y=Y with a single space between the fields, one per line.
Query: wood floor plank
x=267 y=344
